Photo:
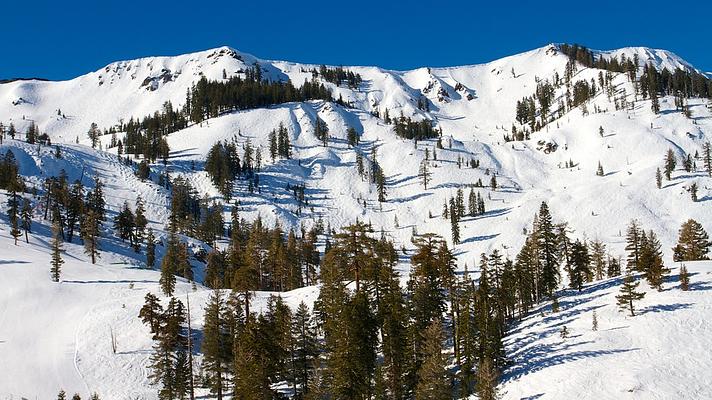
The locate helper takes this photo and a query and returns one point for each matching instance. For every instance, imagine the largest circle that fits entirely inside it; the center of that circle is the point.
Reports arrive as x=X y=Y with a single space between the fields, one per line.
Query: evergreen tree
x=150 y=249
x=151 y=314
x=454 y=222
x=94 y=134
x=13 y=214
x=670 y=163
x=658 y=178
x=651 y=259
x=547 y=246
x=433 y=382
x=633 y=241
x=487 y=378
x=304 y=351
x=693 y=242
x=684 y=278
x=251 y=381
x=26 y=218
x=628 y=294
x=424 y=173
x=90 y=235
x=169 y=264
x=707 y=157
x=57 y=261
x=599 y=170
x=217 y=344
x=579 y=265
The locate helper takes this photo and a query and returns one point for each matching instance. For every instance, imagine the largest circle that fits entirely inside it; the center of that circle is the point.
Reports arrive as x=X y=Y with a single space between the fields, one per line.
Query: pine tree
x=599 y=170
x=547 y=246
x=305 y=349
x=13 y=213
x=454 y=222
x=579 y=265
x=57 y=261
x=217 y=344
x=251 y=381
x=684 y=278
x=151 y=314
x=93 y=134
x=170 y=264
x=693 y=242
x=424 y=173
x=487 y=379
x=651 y=259
x=26 y=218
x=90 y=235
x=594 y=321
x=658 y=178
x=433 y=382
x=707 y=157
x=670 y=163
x=150 y=249
x=693 y=192
x=633 y=239
x=628 y=294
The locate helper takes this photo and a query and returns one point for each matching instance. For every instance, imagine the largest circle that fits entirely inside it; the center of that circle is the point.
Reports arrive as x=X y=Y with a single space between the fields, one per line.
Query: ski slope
x=58 y=335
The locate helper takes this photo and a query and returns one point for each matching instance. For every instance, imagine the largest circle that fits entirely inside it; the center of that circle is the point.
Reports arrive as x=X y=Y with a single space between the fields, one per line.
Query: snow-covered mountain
x=475 y=108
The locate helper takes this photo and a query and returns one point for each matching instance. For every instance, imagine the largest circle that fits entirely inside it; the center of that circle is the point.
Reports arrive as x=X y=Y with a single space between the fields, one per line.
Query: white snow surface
x=56 y=336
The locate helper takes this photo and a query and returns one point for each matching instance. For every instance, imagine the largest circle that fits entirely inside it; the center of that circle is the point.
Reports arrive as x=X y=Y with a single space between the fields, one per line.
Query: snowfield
x=56 y=336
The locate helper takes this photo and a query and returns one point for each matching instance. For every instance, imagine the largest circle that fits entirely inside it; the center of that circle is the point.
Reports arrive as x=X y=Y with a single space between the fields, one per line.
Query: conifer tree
x=487 y=379
x=658 y=178
x=304 y=351
x=251 y=381
x=217 y=344
x=150 y=249
x=26 y=218
x=13 y=213
x=90 y=235
x=424 y=173
x=633 y=241
x=707 y=157
x=93 y=134
x=693 y=242
x=433 y=382
x=579 y=265
x=57 y=261
x=684 y=278
x=594 y=321
x=628 y=294
x=169 y=264
x=454 y=222
x=598 y=254
x=599 y=170
x=670 y=163
x=547 y=246
x=651 y=259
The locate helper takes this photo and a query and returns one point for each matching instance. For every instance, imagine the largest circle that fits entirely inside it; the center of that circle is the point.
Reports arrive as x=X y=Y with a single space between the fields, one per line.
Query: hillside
x=58 y=335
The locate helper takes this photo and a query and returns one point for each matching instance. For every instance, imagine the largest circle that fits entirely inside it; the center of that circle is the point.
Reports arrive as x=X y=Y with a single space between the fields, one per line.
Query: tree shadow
x=664 y=307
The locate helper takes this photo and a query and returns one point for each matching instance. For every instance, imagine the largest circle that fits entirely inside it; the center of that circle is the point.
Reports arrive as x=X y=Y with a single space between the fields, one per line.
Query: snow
x=57 y=335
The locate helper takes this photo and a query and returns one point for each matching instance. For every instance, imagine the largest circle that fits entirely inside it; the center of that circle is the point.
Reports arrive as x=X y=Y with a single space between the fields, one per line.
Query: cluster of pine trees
x=367 y=337
x=338 y=76
x=208 y=99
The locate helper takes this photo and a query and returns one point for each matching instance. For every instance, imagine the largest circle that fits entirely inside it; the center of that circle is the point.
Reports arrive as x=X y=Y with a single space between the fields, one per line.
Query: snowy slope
x=658 y=354
x=474 y=105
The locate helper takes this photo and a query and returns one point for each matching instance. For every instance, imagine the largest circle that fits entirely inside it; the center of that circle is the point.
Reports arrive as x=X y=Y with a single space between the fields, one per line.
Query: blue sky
x=61 y=40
